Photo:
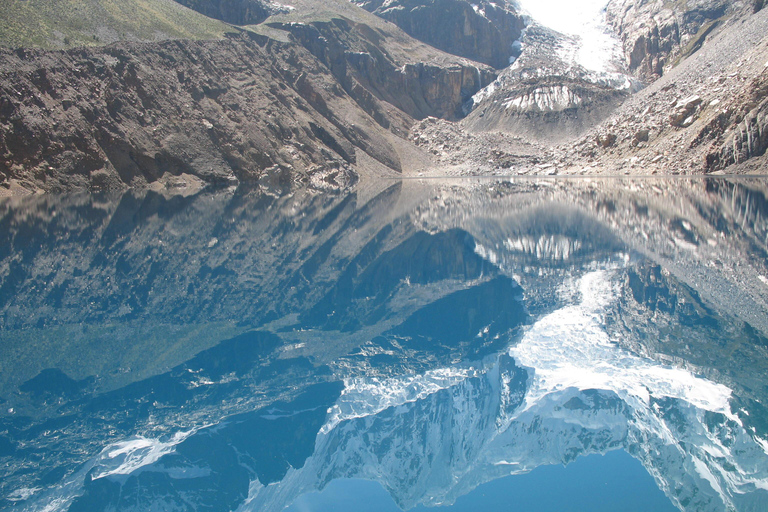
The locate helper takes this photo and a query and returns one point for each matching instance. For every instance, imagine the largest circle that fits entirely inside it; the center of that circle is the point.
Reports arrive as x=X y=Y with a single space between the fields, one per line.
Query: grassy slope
x=68 y=23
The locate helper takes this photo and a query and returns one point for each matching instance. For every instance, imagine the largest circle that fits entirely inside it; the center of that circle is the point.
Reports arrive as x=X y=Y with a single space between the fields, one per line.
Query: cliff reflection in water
x=243 y=349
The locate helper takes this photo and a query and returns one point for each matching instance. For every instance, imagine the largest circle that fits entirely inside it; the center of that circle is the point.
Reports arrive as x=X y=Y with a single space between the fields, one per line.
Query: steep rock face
x=483 y=31
x=656 y=34
x=228 y=110
x=369 y=74
x=237 y=12
x=746 y=136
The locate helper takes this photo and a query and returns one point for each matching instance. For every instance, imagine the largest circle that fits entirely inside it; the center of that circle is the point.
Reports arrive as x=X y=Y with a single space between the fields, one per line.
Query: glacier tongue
x=594 y=45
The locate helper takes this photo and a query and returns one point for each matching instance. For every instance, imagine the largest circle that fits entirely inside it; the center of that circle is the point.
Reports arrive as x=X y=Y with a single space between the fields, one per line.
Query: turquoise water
x=439 y=345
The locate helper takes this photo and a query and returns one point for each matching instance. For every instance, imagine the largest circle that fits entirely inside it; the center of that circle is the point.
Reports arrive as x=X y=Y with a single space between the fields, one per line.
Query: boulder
x=605 y=140
x=641 y=135
x=685 y=111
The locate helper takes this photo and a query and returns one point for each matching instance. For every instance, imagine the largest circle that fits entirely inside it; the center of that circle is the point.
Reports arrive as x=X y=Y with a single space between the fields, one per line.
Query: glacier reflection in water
x=461 y=344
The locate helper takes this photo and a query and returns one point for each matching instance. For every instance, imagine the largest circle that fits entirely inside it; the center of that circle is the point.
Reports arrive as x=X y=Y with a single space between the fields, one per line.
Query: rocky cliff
x=657 y=35
x=371 y=73
x=482 y=31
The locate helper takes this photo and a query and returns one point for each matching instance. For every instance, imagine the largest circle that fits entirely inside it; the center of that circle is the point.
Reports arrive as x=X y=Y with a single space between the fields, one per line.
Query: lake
x=492 y=344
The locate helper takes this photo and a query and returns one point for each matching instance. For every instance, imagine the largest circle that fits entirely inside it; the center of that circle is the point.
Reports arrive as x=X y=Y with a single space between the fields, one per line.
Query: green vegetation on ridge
x=71 y=23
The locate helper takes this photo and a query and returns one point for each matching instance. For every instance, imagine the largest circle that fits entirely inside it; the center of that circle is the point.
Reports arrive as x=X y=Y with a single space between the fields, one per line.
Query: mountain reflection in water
x=412 y=345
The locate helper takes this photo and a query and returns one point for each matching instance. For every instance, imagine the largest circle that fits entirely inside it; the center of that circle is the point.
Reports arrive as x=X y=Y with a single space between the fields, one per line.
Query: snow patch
x=485 y=92
x=487 y=254
x=22 y=494
x=706 y=474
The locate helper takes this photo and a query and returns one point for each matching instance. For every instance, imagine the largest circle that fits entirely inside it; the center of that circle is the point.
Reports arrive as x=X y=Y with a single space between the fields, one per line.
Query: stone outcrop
x=747 y=137
x=370 y=74
x=483 y=31
x=657 y=34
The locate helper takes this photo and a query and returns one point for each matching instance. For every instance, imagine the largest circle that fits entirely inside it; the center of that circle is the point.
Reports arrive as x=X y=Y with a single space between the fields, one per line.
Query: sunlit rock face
x=257 y=345
x=655 y=34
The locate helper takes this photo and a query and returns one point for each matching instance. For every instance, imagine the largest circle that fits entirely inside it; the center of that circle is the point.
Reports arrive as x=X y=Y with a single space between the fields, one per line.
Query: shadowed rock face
x=237 y=12
x=367 y=72
x=483 y=31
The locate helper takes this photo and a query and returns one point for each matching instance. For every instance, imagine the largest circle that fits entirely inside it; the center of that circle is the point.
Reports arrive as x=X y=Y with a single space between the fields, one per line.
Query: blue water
x=610 y=482
x=402 y=346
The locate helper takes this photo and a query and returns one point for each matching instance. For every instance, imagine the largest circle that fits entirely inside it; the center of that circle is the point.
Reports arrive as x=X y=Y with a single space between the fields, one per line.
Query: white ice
x=597 y=48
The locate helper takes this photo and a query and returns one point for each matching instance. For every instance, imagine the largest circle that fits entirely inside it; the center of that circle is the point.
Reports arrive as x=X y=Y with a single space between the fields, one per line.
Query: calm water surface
x=458 y=345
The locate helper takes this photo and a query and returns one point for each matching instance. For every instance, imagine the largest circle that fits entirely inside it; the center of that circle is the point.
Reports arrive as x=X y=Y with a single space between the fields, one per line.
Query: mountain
x=154 y=93
x=285 y=106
